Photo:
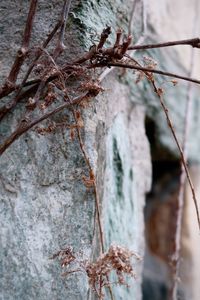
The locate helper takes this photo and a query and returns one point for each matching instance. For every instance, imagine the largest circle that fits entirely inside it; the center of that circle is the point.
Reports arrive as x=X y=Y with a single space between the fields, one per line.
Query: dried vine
x=176 y=256
x=53 y=82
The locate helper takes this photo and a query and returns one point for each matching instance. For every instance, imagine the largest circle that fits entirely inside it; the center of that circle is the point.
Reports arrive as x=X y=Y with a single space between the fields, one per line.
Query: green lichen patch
x=92 y=16
x=118 y=169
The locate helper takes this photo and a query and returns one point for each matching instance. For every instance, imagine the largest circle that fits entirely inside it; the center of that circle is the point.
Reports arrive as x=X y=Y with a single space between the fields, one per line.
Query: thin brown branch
x=93 y=179
x=8 y=107
x=175 y=260
x=184 y=163
x=195 y=43
x=135 y=2
x=27 y=124
x=118 y=38
x=105 y=34
x=92 y=176
x=87 y=56
x=21 y=55
x=10 y=89
x=45 y=78
x=159 y=93
x=60 y=44
x=71 y=272
x=125 y=45
x=140 y=68
x=9 y=84
x=141 y=38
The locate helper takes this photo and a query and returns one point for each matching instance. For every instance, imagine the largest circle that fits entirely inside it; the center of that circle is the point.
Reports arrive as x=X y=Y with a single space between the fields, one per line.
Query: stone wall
x=44 y=205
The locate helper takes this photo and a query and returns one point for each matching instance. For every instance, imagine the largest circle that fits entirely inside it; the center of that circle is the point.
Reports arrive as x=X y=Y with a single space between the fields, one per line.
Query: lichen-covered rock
x=44 y=203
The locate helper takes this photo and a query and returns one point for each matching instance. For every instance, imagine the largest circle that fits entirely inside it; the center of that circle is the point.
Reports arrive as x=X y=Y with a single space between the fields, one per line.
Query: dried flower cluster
x=117 y=260
x=65 y=256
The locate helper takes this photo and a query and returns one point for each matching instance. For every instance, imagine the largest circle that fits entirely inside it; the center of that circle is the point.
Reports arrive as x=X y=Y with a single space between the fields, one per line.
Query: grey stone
x=44 y=205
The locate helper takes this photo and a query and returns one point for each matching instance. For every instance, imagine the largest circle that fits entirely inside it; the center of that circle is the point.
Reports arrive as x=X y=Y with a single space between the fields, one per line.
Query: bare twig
x=93 y=179
x=60 y=45
x=140 y=68
x=8 y=107
x=25 y=43
x=22 y=52
x=5 y=109
x=91 y=175
x=71 y=272
x=125 y=45
x=105 y=34
x=141 y=38
x=175 y=259
x=135 y=2
x=87 y=56
x=27 y=124
x=159 y=93
x=184 y=163
x=195 y=43
x=45 y=78
x=118 y=38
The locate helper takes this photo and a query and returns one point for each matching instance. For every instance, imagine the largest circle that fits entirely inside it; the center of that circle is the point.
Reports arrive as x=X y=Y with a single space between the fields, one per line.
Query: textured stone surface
x=127 y=179
x=44 y=205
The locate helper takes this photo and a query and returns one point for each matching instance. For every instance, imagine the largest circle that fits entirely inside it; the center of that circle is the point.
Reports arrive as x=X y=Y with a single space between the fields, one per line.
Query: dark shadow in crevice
x=118 y=169
x=160 y=218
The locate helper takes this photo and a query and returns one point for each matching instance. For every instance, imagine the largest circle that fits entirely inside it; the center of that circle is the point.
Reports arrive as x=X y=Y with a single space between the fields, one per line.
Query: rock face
x=44 y=203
